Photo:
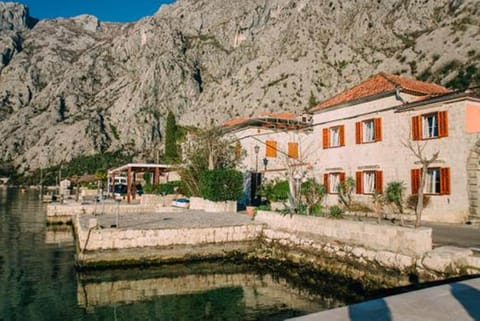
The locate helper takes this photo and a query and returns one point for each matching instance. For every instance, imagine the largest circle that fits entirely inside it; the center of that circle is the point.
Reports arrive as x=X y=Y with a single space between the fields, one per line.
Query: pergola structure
x=132 y=169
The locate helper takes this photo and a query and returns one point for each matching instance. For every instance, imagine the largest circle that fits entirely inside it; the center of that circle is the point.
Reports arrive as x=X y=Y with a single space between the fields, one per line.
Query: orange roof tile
x=381 y=83
x=235 y=121
x=283 y=116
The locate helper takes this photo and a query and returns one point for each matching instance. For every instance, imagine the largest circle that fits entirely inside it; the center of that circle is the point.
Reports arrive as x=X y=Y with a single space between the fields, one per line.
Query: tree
x=296 y=171
x=312 y=100
x=418 y=151
x=171 y=152
x=203 y=150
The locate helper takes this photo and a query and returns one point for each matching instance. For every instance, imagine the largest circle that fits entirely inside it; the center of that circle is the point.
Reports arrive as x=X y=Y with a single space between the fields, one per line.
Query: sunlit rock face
x=78 y=86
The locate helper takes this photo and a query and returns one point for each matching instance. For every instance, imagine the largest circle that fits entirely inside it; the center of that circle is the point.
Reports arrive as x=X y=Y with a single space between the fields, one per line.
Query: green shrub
x=221 y=185
x=275 y=191
x=394 y=193
x=312 y=193
x=336 y=212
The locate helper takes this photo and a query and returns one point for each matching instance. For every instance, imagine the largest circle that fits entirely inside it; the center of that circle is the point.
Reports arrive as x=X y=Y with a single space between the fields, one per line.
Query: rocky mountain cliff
x=81 y=86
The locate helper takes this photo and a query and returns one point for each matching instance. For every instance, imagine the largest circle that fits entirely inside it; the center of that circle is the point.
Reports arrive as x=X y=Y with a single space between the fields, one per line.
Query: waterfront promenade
x=450 y=302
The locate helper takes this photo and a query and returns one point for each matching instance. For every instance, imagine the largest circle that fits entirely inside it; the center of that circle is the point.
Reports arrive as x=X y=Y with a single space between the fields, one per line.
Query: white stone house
x=363 y=132
x=272 y=142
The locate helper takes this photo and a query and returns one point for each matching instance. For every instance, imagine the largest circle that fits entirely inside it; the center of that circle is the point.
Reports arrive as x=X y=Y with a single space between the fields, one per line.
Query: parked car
x=181 y=202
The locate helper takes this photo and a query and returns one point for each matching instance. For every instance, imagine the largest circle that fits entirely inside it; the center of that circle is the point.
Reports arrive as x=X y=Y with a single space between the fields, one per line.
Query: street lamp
x=265 y=163
x=257 y=150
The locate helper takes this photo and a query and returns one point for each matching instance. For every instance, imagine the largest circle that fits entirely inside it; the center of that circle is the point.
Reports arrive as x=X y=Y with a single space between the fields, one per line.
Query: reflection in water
x=198 y=291
x=250 y=291
x=61 y=234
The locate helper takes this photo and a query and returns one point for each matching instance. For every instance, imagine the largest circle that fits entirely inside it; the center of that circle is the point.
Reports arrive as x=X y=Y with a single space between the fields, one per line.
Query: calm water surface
x=38 y=281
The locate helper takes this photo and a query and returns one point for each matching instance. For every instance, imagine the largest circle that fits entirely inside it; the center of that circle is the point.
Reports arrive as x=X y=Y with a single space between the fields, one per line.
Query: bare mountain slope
x=75 y=86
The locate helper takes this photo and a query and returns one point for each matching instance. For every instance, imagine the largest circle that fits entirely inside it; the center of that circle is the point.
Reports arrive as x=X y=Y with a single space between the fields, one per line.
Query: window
x=271 y=150
x=437 y=181
x=332 y=181
x=368 y=131
x=369 y=182
x=334 y=136
x=293 y=150
x=432 y=184
x=428 y=126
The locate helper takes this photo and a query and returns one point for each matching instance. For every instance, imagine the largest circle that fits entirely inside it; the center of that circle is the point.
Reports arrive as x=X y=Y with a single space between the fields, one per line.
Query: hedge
x=221 y=185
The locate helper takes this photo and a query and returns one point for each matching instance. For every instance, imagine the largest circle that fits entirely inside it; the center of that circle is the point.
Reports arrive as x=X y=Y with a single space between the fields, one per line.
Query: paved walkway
x=171 y=220
x=451 y=302
x=455 y=234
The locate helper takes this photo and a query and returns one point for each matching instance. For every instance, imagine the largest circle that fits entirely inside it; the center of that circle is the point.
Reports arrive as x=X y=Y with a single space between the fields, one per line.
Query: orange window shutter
x=378 y=129
x=359 y=183
x=342 y=135
x=271 y=150
x=358 y=132
x=293 y=150
x=442 y=124
x=415 y=180
x=445 y=181
x=342 y=177
x=325 y=182
x=379 y=182
x=416 y=126
x=326 y=137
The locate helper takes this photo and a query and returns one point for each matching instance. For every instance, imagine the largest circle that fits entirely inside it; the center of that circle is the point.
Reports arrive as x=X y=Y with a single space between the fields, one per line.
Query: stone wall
x=56 y=210
x=92 y=238
x=401 y=240
x=197 y=203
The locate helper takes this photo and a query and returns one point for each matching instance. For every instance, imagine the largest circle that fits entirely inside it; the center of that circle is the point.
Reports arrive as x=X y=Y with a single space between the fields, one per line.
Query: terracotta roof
x=264 y=119
x=381 y=83
x=235 y=121
x=283 y=116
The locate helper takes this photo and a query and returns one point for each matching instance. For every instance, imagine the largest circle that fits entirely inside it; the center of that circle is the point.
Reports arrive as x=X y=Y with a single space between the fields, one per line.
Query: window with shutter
x=416 y=128
x=358 y=183
x=326 y=182
x=341 y=133
x=442 y=124
x=334 y=180
x=445 y=181
x=415 y=180
x=358 y=132
x=271 y=150
x=326 y=138
x=293 y=150
x=379 y=182
x=378 y=129
x=433 y=182
x=368 y=131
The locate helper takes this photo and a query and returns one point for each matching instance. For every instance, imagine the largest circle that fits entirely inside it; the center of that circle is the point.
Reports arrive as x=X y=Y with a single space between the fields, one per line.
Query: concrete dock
x=450 y=302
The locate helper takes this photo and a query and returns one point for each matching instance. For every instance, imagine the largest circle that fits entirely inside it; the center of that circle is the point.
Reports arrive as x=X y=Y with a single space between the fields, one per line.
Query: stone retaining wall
x=93 y=238
x=401 y=240
x=67 y=210
x=197 y=203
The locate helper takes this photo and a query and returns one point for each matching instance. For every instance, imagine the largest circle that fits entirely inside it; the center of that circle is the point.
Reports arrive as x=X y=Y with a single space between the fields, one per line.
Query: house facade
x=374 y=131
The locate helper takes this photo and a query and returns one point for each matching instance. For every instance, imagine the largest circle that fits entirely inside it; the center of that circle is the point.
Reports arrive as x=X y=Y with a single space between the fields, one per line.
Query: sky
x=105 y=10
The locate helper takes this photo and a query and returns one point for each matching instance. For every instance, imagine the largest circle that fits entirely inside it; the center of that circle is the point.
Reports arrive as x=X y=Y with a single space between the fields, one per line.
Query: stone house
x=364 y=133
